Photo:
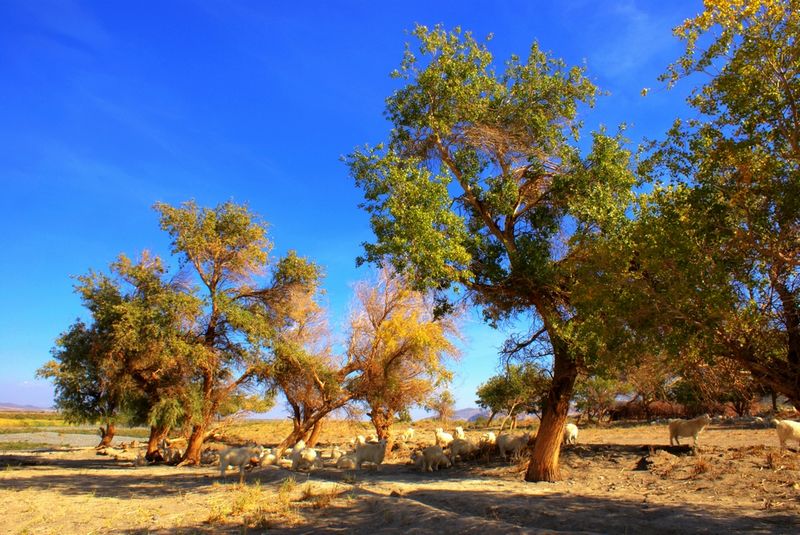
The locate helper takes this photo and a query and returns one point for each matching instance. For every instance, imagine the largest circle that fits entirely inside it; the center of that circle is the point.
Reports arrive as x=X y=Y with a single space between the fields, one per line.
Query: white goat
x=336 y=453
x=407 y=435
x=269 y=457
x=358 y=440
x=461 y=447
x=346 y=462
x=373 y=453
x=443 y=439
x=512 y=444
x=240 y=457
x=687 y=428
x=459 y=433
x=570 y=434
x=787 y=430
x=488 y=439
x=430 y=459
x=304 y=459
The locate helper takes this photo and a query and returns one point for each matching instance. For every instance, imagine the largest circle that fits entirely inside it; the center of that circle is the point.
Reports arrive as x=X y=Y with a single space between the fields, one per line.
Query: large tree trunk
x=107 y=434
x=156 y=434
x=382 y=421
x=543 y=465
x=314 y=437
x=298 y=432
x=195 y=445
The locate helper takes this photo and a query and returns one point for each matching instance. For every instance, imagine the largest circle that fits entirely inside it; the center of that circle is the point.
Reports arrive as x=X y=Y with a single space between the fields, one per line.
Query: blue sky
x=108 y=107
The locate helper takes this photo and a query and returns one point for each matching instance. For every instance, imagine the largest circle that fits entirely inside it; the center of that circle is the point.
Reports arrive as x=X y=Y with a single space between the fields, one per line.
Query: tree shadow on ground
x=481 y=512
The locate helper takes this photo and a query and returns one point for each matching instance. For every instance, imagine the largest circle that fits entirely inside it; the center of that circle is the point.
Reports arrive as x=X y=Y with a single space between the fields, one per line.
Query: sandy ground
x=616 y=480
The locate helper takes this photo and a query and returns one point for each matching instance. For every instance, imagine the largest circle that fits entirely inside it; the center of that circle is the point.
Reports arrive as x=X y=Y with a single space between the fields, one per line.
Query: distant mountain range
x=470 y=414
x=16 y=407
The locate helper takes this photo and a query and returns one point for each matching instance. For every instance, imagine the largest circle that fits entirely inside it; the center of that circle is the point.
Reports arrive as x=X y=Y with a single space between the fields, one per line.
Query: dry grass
x=256 y=507
x=700 y=466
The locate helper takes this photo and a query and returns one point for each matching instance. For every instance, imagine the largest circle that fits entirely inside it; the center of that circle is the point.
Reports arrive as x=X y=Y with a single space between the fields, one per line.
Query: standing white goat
x=443 y=439
x=512 y=444
x=687 y=428
x=373 y=453
x=570 y=434
x=459 y=433
x=787 y=430
x=240 y=457
x=430 y=459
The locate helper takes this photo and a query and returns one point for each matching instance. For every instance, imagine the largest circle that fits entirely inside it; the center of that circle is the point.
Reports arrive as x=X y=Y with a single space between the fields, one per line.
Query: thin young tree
x=399 y=346
x=481 y=185
x=226 y=248
x=82 y=373
x=520 y=388
x=313 y=379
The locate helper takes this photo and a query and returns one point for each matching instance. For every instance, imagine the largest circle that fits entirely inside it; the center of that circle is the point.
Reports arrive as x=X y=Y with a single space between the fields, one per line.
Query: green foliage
x=520 y=389
x=442 y=403
x=480 y=184
x=595 y=396
x=84 y=390
x=718 y=245
x=186 y=349
x=398 y=345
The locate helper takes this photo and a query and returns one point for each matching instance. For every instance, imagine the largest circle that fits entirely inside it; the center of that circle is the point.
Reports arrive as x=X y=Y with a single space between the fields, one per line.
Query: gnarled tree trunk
x=313 y=438
x=156 y=434
x=107 y=434
x=195 y=445
x=543 y=465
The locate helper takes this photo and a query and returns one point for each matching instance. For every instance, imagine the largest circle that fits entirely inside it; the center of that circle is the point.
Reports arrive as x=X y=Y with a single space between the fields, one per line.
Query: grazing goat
x=240 y=457
x=304 y=459
x=430 y=459
x=459 y=433
x=443 y=439
x=358 y=440
x=346 y=462
x=512 y=444
x=687 y=428
x=461 y=447
x=787 y=430
x=373 y=453
x=570 y=434
x=407 y=435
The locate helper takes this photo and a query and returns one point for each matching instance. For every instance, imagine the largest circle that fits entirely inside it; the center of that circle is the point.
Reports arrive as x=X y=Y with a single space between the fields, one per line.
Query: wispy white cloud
x=630 y=40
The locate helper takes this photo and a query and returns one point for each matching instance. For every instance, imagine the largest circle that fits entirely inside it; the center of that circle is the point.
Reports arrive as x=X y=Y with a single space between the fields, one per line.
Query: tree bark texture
x=543 y=464
x=195 y=445
x=156 y=434
x=107 y=435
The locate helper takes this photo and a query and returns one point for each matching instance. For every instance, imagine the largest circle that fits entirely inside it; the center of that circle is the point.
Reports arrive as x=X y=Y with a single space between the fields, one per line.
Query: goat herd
x=445 y=452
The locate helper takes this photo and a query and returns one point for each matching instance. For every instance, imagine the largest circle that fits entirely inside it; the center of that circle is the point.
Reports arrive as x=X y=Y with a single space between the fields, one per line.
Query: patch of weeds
x=700 y=466
x=287 y=487
x=776 y=461
x=257 y=507
x=320 y=498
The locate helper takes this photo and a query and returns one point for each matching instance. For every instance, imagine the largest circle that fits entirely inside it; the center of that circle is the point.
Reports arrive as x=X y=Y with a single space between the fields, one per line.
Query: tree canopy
x=718 y=239
x=481 y=185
